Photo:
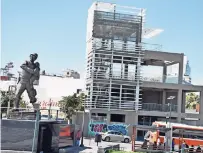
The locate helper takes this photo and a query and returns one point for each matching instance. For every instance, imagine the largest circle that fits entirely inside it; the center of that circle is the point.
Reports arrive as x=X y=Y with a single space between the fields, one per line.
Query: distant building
x=68 y=73
x=71 y=74
x=51 y=89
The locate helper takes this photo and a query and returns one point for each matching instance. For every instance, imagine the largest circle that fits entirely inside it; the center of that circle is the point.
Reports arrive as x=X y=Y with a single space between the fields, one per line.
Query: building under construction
x=114 y=56
x=117 y=90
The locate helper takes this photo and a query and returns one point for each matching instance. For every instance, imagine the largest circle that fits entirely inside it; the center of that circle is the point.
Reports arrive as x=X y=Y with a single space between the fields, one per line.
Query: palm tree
x=192 y=100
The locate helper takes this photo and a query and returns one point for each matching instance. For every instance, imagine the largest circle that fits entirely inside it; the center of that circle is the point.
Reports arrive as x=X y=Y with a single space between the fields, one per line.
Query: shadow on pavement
x=73 y=149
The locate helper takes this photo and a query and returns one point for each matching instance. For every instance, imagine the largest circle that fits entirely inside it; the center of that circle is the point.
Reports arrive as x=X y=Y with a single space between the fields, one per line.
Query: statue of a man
x=30 y=73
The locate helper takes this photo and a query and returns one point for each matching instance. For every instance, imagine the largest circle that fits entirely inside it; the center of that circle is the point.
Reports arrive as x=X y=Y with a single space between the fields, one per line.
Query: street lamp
x=167 y=118
x=169 y=105
x=83 y=120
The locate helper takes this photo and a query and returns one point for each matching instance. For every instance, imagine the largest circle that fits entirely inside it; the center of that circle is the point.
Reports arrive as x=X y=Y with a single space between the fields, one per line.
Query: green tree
x=192 y=99
x=71 y=104
x=5 y=97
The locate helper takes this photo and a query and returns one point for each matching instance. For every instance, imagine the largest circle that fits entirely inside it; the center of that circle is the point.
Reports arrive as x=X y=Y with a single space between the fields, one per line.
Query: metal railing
x=158 y=107
x=131 y=76
x=161 y=79
x=151 y=148
x=153 y=47
x=49 y=113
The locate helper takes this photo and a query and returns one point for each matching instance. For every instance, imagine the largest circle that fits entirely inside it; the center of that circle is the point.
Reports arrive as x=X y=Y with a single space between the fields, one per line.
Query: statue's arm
x=24 y=67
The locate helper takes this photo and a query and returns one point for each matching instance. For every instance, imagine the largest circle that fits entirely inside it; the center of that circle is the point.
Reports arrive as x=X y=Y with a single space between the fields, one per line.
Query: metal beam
x=153 y=62
x=172 y=63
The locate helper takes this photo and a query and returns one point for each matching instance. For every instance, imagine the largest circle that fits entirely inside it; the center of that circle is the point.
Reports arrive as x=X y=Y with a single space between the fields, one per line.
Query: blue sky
x=56 y=30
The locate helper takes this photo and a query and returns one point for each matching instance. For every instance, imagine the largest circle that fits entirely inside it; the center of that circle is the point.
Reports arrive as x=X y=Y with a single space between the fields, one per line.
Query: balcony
x=161 y=79
x=130 y=76
x=158 y=107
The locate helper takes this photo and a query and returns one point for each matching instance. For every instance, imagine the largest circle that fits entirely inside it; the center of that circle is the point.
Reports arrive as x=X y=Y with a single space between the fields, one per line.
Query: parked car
x=115 y=136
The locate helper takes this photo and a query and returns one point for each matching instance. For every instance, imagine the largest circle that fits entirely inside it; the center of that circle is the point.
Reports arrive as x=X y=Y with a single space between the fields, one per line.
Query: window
x=93 y=114
x=117 y=118
x=102 y=114
x=161 y=133
x=111 y=132
x=118 y=133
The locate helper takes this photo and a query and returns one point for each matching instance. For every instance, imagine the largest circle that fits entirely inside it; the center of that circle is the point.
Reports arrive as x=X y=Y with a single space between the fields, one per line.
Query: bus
x=192 y=135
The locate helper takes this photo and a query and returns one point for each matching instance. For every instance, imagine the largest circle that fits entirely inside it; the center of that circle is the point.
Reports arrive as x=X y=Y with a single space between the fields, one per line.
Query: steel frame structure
x=114 y=56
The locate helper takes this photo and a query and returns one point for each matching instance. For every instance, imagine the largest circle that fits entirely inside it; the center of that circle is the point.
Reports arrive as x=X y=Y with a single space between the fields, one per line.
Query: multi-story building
x=116 y=88
x=114 y=55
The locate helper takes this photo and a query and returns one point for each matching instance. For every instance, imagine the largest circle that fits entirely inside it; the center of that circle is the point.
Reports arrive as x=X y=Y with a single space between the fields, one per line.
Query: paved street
x=91 y=143
x=91 y=146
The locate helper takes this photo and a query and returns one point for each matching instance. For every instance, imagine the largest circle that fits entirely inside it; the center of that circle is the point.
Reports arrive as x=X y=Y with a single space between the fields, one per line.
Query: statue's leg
x=30 y=93
x=20 y=89
x=34 y=92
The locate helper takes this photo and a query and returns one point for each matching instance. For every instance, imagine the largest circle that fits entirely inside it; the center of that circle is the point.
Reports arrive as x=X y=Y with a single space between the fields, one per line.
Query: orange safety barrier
x=65 y=131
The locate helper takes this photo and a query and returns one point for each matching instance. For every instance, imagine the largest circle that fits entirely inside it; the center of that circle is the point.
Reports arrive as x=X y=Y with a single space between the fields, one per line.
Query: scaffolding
x=114 y=56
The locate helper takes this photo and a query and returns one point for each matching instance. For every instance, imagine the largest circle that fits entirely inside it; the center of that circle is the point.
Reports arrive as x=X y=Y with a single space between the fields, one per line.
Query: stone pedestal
x=18 y=135
x=22 y=115
x=36 y=106
x=25 y=114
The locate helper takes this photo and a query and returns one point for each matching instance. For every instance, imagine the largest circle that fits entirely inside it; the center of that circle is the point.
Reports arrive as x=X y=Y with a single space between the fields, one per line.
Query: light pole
x=82 y=134
x=83 y=120
x=170 y=104
x=169 y=125
x=167 y=118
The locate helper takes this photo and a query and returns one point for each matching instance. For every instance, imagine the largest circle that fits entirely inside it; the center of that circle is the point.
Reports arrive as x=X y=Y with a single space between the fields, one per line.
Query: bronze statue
x=30 y=73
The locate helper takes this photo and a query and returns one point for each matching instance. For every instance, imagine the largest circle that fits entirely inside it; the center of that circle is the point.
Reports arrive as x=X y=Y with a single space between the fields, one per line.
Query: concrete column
x=86 y=123
x=108 y=117
x=179 y=102
x=180 y=74
x=183 y=102
x=164 y=72
x=131 y=119
x=164 y=97
x=201 y=108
